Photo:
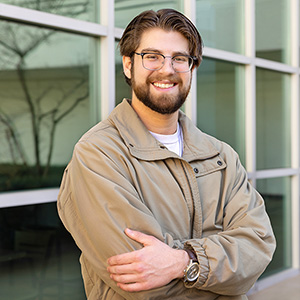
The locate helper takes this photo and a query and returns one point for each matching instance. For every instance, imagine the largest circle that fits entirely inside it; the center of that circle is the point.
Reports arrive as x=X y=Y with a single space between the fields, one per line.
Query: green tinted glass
x=272 y=24
x=277 y=195
x=44 y=105
x=83 y=10
x=220 y=102
x=126 y=10
x=273 y=141
x=221 y=24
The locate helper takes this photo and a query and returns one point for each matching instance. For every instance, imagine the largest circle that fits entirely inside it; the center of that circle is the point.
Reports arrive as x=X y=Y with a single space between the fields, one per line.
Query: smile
x=163 y=85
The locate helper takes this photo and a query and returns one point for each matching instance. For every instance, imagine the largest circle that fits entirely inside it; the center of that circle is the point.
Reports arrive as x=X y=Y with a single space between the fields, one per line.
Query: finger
x=123 y=259
x=140 y=237
x=125 y=278
x=124 y=269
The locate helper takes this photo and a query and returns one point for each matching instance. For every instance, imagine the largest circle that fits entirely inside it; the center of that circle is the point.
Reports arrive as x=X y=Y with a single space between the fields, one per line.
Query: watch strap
x=192 y=255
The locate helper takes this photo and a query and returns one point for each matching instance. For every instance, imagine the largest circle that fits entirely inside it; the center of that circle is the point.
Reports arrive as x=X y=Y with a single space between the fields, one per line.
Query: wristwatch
x=192 y=271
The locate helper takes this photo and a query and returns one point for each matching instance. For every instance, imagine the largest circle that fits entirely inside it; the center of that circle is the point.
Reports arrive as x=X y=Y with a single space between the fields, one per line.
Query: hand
x=153 y=266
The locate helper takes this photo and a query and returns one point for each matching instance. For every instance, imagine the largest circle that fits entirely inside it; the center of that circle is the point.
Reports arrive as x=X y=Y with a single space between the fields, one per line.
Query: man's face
x=163 y=90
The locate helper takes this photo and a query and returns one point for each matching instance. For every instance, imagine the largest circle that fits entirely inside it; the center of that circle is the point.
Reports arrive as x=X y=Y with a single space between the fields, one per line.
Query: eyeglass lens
x=155 y=61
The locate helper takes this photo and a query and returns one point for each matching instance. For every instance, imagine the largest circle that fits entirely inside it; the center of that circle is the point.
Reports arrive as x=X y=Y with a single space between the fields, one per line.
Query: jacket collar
x=144 y=146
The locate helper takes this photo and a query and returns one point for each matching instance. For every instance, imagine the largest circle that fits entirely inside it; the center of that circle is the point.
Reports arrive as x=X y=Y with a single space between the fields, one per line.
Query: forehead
x=163 y=41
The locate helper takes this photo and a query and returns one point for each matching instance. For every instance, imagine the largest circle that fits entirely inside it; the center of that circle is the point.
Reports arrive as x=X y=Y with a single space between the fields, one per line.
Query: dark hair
x=166 y=19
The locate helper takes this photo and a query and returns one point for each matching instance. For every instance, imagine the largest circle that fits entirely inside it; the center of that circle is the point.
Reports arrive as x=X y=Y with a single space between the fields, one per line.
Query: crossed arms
x=146 y=259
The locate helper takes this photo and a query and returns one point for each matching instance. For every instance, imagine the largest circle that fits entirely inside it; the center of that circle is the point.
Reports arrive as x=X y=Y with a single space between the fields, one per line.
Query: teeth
x=164 y=85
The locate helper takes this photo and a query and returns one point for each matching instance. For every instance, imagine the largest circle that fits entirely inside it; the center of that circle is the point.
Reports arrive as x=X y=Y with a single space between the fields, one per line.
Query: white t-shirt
x=173 y=142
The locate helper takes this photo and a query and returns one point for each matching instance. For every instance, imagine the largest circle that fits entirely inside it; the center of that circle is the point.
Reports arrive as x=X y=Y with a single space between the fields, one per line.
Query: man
x=159 y=209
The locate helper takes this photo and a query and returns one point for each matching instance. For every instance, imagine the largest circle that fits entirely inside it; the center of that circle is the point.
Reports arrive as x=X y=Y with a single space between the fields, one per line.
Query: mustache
x=172 y=78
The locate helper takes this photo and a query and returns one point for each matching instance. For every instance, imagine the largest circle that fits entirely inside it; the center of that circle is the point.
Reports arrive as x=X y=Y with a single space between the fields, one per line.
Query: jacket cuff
x=203 y=261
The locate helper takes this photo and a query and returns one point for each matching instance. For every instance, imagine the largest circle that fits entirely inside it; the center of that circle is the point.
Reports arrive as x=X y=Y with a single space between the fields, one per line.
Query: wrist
x=183 y=262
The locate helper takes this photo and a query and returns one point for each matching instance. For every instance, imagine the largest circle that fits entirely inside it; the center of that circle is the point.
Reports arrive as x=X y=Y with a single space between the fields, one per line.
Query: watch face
x=193 y=272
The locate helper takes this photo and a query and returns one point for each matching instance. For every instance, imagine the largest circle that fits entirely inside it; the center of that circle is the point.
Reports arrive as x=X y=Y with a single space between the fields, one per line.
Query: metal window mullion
x=107 y=59
x=31 y=197
x=250 y=88
x=191 y=103
x=273 y=173
x=295 y=134
x=275 y=66
x=226 y=56
x=51 y=21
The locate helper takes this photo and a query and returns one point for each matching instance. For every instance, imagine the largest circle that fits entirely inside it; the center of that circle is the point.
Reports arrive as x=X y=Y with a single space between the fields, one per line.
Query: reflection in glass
x=83 y=10
x=38 y=257
x=272 y=30
x=126 y=10
x=273 y=142
x=277 y=195
x=123 y=90
x=220 y=102
x=221 y=24
x=44 y=108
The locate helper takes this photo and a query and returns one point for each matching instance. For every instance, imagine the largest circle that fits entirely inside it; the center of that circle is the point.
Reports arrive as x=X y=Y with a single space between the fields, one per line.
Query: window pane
x=277 y=195
x=123 y=90
x=38 y=258
x=220 y=102
x=221 y=24
x=272 y=30
x=44 y=108
x=126 y=10
x=83 y=10
x=273 y=142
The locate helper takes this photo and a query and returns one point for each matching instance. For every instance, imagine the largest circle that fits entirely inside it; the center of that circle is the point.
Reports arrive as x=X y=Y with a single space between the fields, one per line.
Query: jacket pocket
x=208 y=166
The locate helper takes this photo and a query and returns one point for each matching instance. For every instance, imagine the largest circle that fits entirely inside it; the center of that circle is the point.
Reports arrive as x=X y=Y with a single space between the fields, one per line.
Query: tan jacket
x=121 y=176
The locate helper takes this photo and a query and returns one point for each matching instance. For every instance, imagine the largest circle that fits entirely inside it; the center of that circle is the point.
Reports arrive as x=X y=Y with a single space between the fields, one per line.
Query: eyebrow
x=153 y=50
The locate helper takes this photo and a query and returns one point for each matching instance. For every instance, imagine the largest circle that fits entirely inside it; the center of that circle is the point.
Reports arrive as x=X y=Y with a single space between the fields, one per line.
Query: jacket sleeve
x=96 y=203
x=232 y=259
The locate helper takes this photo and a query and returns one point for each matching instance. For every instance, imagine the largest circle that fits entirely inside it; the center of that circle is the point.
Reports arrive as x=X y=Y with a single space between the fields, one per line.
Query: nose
x=167 y=66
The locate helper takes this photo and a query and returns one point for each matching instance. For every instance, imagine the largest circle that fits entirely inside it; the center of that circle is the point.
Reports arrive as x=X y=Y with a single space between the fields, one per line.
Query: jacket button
x=219 y=163
x=196 y=170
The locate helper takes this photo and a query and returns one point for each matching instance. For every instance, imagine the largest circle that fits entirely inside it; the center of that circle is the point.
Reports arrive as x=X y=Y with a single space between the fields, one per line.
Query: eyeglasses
x=155 y=61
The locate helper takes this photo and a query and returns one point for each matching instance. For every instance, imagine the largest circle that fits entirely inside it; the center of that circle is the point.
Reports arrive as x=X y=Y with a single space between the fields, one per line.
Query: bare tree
x=17 y=44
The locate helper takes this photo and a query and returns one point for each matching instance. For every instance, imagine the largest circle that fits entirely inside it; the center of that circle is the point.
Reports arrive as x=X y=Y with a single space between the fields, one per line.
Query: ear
x=127 y=66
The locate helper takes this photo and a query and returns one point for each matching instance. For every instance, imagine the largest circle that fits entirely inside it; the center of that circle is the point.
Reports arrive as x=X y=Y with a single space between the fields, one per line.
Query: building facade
x=61 y=73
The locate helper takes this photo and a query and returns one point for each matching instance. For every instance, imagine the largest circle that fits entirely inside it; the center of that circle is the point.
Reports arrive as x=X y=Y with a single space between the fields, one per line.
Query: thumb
x=140 y=237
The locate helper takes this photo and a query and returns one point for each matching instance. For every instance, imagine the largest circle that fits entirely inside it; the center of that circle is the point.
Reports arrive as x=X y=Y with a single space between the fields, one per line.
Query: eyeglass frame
x=142 y=54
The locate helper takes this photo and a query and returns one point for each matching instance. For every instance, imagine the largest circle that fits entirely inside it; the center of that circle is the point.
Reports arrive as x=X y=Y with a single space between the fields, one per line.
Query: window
x=83 y=10
x=44 y=93
x=38 y=258
x=220 y=102
x=273 y=30
x=122 y=88
x=221 y=24
x=126 y=10
x=277 y=195
x=273 y=119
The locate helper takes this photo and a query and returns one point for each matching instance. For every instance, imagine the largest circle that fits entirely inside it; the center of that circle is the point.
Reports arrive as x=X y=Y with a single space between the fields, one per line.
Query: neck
x=154 y=121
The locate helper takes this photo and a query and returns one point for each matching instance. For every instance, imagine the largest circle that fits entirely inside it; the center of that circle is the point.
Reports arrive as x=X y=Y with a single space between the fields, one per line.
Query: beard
x=165 y=104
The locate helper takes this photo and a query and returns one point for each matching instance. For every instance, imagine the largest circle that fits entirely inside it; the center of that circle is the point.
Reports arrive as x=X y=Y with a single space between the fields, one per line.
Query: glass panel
x=273 y=138
x=38 y=257
x=123 y=90
x=221 y=24
x=220 y=104
x=277 y=195
x=272 y=30
x=83 y=10
x=126 y=10
x=44 y=108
